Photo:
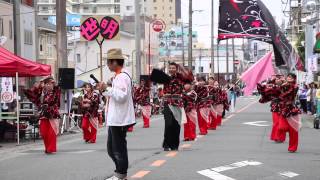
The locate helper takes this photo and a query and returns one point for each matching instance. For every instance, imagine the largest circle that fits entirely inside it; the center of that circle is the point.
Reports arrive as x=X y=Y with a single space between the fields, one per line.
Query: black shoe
x=174 y=149
x=166 y=149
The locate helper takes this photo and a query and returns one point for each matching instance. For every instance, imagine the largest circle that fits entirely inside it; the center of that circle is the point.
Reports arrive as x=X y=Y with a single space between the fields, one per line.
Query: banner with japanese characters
x=100 y=27
x=6 y=90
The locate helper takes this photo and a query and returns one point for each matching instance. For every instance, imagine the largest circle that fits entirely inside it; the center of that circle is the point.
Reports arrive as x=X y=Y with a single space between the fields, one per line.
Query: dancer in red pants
x=189 y=97
x=290 y=113
x=46 y=96
x=142 y=99
x=203 y=105
x=90 y=107
x=270 y=91
x=212 y=116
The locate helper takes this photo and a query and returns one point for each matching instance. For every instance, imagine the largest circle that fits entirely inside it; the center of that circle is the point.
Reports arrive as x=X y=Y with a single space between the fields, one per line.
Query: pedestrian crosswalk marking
x=288 y=174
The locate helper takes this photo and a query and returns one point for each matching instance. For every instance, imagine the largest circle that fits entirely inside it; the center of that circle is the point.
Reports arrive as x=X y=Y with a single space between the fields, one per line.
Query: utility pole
x=200 y=59
x=138 y=38
x=212 y=37
x=234 y=59
x=227 y=57
x=17 y=32
x=61 y=35
x=190 y=36
x=62 y=58
x=182 y=36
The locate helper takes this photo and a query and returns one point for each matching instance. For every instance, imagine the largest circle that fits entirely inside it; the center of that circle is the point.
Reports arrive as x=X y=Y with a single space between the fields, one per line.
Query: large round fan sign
x=7 y=97
x=158 y=25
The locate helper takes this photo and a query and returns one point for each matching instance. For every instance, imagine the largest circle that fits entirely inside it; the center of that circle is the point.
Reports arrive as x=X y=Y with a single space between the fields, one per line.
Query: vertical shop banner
x=6 y=90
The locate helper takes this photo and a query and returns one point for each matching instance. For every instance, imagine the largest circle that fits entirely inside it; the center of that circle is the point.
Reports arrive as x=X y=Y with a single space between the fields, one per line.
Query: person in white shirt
x=120 y=112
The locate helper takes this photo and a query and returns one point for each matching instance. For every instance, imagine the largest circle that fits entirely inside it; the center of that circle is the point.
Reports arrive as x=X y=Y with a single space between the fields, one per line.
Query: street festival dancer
x=290 y=114
x=89 y=108
x=174 y=114
x=120 y=114
x=271 y=92
x=213 y=91
x=46 y=96
x=142 y=99
x=190 y=97
x=203 y=105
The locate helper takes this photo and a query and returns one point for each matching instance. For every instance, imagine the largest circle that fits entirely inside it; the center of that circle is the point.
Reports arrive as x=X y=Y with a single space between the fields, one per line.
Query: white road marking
x=214 y=173
x=288 y=174
x=236 y=165
x=257 y=123
x=81 y=152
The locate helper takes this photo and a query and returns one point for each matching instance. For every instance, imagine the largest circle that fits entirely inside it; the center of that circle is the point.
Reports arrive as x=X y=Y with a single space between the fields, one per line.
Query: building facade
x=83 y=7
x=169 y=10
x=27 y=32
x=6 y=25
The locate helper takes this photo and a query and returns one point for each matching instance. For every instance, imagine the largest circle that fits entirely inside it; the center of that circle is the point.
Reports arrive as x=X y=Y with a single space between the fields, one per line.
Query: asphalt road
x=240 y=149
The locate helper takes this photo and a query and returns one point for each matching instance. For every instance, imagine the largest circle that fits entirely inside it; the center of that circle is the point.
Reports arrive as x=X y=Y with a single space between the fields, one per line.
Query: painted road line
x=288 y=174
x=171 y=154
x=158 y=163
x=236 y=165
x=185 y=146
x=257 y=123
x=140 y=174
x=214 y=175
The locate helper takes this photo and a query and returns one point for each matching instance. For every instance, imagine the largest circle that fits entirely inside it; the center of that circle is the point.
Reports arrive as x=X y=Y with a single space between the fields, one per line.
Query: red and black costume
x=190 y=107
x=203 y=108
x=271 y=92
x=90 y=122
x=289 y=119
x=142 y=99
x=48 y=103
x=173 y=107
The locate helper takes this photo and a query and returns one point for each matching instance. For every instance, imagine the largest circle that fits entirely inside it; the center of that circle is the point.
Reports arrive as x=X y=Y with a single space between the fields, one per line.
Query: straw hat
x=115 y=54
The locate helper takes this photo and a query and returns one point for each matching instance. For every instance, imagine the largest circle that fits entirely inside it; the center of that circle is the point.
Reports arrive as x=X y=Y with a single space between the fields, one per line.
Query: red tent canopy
x=10 y=64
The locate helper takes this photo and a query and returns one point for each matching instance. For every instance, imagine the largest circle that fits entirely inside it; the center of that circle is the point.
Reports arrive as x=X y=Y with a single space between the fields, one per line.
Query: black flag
x=251 y=19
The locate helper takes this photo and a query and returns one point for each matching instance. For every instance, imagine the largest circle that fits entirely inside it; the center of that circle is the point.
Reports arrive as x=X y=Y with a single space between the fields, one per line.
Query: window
x=154 y=1
x=170 y=15
x=1 y=27
x=155 y=8
x=155 y=16
x=171 y=1
x=116 y=9
x=28 y=37
x=129 y=8
x=78 y=58
x=117 y=1
x=201 y=69
x=10 y=29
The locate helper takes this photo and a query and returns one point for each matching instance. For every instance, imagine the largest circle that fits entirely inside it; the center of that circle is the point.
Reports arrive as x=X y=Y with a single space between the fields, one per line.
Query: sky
x=202 y=20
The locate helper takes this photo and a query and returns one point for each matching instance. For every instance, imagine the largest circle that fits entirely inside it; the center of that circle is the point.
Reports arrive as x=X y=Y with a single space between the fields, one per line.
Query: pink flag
x=258 y=72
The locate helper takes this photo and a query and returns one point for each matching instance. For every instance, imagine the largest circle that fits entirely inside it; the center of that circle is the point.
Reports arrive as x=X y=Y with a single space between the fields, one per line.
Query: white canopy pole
x=18 y=109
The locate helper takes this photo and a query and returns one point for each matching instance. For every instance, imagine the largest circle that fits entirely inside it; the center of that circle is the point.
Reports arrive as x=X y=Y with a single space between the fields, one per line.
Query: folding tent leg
x=18 y=109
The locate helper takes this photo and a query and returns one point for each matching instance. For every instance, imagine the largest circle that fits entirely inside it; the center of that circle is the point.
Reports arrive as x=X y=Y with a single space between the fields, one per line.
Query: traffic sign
x=158 y=25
